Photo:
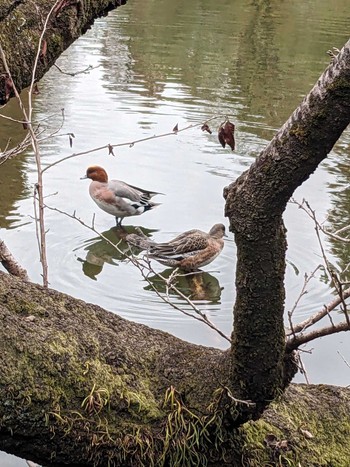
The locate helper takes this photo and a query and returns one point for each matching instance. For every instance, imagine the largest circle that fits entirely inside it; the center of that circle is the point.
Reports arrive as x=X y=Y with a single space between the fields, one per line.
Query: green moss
x=313 y=433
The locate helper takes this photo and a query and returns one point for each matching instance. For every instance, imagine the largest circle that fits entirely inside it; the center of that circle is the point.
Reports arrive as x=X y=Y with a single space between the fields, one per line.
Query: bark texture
x=80 y=386
x=254 y=204
x=21 y=23
x=73 y=375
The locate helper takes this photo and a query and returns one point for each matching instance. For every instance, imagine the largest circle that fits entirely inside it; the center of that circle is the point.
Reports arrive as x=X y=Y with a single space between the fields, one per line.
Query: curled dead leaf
x=205 y=127
x=226 y=134
x=110 y=150
x=30 y=318
x=176 y=128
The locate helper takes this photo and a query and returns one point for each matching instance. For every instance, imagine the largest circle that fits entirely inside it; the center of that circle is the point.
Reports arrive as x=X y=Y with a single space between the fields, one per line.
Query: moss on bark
x=20 y=20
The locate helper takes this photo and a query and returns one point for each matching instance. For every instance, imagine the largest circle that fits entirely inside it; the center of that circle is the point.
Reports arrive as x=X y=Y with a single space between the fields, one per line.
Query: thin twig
x=130 y=143
x=302 y=293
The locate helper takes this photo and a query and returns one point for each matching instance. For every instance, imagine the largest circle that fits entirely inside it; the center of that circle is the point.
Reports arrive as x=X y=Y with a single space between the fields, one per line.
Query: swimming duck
x=190 y=250
x=116 y=197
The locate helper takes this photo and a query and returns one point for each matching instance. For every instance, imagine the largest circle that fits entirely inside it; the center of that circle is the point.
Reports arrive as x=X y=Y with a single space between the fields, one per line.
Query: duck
x=116 y=197
x=189 y=251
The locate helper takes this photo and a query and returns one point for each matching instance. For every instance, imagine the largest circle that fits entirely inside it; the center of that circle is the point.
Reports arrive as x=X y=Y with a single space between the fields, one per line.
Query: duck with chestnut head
x=116 y=197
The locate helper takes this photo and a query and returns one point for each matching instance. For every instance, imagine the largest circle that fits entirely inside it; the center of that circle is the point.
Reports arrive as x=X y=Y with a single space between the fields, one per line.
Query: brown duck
x=189 y=251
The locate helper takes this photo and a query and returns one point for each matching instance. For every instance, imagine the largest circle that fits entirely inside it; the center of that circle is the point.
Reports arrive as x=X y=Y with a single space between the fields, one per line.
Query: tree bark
x=21 y=23
x=254 y=204
x=80 y=386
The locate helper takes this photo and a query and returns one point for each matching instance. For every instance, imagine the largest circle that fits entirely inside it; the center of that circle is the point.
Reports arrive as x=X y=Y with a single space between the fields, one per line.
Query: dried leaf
x=270 y=440
x=36 y=89
x=8 y=87
x=30 y=318
x=205 y=127
x=25 y=126
x=110 y=150
x=43 y=51
x=226 y=134
x=283 y=445
x=176 y=128
x=306 y=433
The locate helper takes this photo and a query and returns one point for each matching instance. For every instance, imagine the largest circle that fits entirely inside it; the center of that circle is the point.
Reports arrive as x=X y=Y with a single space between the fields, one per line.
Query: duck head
x=97 y=174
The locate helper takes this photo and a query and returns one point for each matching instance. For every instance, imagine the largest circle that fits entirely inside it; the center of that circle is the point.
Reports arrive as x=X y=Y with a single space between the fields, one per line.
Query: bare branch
x=108 y=147
x=307 y=279
x=295 y=341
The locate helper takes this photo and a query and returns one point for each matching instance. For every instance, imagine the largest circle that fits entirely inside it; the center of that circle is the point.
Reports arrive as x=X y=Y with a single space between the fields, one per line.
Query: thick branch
x=10 y=263
x=296 y=341
x=71 y=371
x=255 y=203
x=24 y=19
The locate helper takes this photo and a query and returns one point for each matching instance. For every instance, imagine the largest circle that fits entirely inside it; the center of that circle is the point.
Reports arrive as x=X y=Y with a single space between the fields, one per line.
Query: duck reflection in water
x=197 y=286
x=99 y=251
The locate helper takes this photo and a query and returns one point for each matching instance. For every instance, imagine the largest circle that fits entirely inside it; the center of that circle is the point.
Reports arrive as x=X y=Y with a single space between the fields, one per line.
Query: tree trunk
x=255 y=203
x=21 y=23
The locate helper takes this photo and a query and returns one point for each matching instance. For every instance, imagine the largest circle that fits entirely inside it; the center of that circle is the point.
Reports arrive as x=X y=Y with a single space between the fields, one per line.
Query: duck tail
x=140 y=242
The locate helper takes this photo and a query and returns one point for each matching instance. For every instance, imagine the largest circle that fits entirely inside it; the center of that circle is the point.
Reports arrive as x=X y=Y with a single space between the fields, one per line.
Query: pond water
x=155 y=65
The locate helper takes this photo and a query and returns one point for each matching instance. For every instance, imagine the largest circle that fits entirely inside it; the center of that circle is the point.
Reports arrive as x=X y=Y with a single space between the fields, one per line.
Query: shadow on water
x=114 y=250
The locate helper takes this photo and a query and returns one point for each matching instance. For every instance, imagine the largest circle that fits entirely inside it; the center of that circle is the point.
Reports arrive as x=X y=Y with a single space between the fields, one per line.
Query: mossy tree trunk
x=82 y=386
x=21 y=24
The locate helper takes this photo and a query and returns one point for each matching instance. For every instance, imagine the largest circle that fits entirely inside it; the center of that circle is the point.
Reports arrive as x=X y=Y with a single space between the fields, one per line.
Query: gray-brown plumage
x=190 y=250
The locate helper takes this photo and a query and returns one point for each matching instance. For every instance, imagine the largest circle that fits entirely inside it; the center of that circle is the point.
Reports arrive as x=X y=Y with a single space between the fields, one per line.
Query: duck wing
x=181 y=247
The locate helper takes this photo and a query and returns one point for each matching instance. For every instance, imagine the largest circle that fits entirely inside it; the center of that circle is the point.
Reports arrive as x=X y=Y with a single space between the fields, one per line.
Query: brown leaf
x=270 y=440
x=284 y=444
x=36 y=89
x=8 y=87
x=176 y=128
x=226 y=134
x=110 y=150
x=43 y=51
x=205 y=127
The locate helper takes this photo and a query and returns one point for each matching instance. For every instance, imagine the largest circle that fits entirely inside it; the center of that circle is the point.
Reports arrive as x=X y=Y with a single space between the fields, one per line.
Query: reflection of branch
x=10 y=264
x=110 y=147
x=86 y=70
x=145 y=268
